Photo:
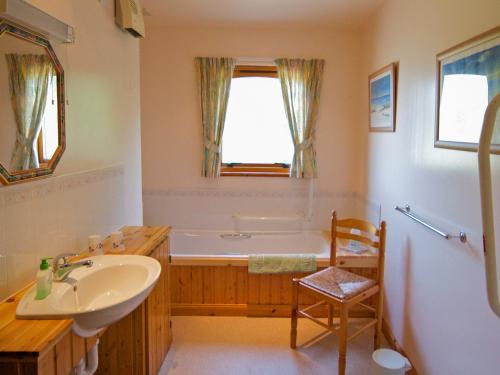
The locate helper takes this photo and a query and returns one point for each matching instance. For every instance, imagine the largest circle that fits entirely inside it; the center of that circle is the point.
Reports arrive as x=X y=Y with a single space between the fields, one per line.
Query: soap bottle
x=43 y=279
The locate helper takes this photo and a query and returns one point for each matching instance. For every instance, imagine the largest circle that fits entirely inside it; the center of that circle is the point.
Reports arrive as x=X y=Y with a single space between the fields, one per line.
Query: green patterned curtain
x=215 y=76
x=301 y=87
x=28 y=84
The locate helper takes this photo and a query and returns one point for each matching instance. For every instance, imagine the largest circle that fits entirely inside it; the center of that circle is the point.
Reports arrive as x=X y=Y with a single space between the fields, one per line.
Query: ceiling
x=326 y=13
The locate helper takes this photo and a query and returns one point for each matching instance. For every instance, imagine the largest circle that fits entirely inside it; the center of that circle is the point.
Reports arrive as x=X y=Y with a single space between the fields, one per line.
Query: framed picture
x=468 y=77
x=382 y=99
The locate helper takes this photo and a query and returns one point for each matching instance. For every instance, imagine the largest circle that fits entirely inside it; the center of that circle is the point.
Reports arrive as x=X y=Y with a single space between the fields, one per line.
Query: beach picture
x=469 y=78
x=382 y=103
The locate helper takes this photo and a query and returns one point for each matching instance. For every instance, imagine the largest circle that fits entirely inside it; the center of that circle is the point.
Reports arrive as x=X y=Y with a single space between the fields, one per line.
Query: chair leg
x=295 y=307
x=378 y=316
x=330 y=314
x=344 y=315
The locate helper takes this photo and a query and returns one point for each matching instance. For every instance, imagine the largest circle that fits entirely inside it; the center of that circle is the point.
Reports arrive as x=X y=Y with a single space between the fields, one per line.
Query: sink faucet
x=62 y=270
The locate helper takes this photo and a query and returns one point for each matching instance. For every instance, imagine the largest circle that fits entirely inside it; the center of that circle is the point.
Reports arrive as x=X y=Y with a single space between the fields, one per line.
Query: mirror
x=32 y=137
x=468 y=79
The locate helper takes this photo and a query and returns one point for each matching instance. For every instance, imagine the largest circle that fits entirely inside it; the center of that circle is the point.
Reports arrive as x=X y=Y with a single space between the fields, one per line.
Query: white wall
x=172 y=133
x=436 y=300
x=103 y=129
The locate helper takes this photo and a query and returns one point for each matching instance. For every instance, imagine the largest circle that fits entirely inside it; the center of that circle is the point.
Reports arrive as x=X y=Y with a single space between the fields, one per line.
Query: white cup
x=117 y=241
x=95 y=244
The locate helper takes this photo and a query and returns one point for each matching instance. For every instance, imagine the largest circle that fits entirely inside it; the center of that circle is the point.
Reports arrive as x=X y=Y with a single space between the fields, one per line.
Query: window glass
x=50 y=133
x=256 y=128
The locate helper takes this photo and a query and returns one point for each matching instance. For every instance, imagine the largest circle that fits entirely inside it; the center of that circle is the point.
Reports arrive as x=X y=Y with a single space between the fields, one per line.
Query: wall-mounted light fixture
x=21 y=12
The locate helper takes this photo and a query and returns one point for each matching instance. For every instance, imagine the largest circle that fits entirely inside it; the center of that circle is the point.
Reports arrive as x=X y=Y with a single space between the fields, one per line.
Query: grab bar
x=406 y=210
x=235 y=236
x=297 y=217
x=485 y=184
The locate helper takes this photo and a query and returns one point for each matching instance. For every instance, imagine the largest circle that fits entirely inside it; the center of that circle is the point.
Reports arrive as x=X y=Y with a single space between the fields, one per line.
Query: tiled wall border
x=371 y=209
x=10 y=195
x=199 y=193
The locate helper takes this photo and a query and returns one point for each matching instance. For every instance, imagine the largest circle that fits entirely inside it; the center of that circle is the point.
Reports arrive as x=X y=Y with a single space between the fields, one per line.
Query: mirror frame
x=21 y=32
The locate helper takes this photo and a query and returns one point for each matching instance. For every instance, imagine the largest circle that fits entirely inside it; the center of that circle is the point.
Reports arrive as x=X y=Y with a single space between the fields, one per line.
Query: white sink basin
x=97 y=296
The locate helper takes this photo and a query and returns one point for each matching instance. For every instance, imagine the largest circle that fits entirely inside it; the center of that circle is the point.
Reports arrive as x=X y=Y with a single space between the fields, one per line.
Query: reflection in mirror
x=463 y=103
x=31 y=116
x=469 y=78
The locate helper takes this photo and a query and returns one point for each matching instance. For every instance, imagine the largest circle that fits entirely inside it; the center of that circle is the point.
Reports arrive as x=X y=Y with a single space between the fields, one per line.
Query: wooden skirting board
x=188 y=309
x=241 y=309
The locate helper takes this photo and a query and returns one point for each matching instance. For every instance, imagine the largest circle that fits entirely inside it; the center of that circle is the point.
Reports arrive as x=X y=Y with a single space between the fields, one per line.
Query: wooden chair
x=342 y=289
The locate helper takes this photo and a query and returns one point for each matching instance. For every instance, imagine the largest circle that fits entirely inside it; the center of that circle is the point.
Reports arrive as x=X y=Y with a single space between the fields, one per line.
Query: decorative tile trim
x=199 y=193
x=17 y=194
x=39 y=189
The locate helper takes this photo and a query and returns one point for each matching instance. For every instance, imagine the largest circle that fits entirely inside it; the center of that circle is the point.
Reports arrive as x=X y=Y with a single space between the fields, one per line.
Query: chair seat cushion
x=338 y=283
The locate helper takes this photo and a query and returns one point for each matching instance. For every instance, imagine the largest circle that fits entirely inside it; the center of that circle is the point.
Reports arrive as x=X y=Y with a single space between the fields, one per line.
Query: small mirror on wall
x=32 y=137
x=468 y=78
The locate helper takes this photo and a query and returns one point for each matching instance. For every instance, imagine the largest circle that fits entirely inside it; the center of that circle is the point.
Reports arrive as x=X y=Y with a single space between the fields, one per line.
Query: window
x=48 y=140
x=256 y=139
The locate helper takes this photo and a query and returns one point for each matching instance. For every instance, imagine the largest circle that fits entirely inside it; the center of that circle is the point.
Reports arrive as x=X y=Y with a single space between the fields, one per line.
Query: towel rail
x=406 y=210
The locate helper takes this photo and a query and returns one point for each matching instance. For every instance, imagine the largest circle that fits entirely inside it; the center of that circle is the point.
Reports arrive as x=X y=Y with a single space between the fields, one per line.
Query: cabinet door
x=152 y=323
x=168 y=314
x=61 y=358
x=122 y=347
x=165 y=329
x=158 y=313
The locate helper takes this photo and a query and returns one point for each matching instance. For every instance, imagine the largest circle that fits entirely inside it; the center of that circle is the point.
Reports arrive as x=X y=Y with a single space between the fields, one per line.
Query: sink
x=97 y=296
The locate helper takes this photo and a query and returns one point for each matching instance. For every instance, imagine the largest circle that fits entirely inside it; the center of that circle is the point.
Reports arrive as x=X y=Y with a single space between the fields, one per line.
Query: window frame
x=43 y=162
x=255 y=169
x=41 y=159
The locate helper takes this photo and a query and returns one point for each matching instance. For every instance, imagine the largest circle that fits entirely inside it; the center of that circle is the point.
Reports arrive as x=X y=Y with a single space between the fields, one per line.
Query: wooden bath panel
x=231 y=290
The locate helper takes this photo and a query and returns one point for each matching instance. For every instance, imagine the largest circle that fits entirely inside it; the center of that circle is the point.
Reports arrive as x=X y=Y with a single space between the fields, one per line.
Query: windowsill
x=255 y=170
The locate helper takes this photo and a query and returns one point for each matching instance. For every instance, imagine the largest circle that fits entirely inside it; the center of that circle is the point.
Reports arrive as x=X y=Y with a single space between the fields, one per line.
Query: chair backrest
x=370 y=236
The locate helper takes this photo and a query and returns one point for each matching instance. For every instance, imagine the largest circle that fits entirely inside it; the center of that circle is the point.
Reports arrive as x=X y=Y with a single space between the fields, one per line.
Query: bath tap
x=62 y=271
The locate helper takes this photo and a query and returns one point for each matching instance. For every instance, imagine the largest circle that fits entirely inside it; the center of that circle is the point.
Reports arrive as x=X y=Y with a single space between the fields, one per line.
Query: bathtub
x=190 y=247
x=209 y=274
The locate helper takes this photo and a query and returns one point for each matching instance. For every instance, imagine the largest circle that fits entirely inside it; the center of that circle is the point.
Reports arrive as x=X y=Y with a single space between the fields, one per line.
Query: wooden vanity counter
x=24 y=342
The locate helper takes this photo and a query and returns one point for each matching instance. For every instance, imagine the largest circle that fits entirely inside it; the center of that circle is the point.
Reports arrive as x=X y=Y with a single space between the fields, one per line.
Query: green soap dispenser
x=43 y=279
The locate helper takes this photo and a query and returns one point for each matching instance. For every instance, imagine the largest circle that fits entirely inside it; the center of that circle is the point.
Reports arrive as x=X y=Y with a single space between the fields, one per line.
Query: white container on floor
x=389 y=362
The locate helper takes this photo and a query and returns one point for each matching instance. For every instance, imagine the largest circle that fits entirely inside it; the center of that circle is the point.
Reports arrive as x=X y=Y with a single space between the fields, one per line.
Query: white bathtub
x=194 y=247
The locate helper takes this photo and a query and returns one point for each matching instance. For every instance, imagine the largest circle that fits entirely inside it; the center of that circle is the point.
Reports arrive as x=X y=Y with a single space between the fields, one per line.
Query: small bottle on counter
x=43 y=279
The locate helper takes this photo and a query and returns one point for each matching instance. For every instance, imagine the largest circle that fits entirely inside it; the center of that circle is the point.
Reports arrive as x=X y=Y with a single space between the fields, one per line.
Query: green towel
x=281 y=263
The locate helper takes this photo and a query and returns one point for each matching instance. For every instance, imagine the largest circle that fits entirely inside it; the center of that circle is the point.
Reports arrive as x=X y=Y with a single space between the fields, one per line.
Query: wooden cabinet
x=56 y=352
x=138 y=343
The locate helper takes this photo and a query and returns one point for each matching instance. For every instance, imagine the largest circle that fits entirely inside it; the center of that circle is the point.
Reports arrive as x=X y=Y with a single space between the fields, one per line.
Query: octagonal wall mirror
x=32 y=131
